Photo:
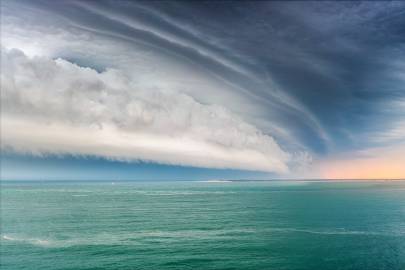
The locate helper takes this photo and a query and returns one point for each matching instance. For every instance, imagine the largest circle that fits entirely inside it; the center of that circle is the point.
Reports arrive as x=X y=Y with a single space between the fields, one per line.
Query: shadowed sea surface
x=203 y=225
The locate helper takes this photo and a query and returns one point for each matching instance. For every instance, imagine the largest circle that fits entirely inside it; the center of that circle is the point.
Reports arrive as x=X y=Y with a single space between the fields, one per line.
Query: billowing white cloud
x=54 y=106
x=188 y=59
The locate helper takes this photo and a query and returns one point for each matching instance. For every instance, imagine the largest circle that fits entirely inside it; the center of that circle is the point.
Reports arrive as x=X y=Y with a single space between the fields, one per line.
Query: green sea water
x=196 y=225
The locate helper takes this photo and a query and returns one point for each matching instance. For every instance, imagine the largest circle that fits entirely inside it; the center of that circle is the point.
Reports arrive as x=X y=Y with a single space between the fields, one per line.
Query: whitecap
x=6 y=237
x=32 y=241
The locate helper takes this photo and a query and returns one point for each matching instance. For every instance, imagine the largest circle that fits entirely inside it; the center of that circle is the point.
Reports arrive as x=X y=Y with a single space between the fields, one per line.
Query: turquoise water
x=195 y=225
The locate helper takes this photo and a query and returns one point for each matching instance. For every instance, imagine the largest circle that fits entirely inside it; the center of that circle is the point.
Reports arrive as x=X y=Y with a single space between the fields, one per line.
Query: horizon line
x=203 y=180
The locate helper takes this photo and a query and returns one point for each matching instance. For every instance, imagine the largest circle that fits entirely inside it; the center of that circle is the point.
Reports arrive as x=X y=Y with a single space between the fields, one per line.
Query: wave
x=338 y=232
x=139 y=237
x=32 y=241
x=129 y=238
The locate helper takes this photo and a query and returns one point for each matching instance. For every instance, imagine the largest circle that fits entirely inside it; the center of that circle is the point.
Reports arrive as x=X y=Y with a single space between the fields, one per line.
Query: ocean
x=203 y=225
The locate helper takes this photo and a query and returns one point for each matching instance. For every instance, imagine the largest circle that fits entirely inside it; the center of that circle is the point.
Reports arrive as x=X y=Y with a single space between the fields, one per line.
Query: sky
x=198 y=90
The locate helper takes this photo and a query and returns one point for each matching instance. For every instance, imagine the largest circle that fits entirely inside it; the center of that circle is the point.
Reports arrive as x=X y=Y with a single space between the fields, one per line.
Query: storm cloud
x=269 y=86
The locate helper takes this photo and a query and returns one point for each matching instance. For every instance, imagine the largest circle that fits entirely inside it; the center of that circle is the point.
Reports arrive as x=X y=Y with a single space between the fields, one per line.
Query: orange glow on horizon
x=364 y=169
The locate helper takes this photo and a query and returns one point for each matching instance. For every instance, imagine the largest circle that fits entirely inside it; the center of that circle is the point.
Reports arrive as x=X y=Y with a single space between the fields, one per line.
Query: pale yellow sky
x=376 y=163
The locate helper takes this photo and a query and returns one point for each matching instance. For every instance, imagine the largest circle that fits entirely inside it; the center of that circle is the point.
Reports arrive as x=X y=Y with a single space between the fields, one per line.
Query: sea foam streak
x=32 y=241
x=216 y=181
